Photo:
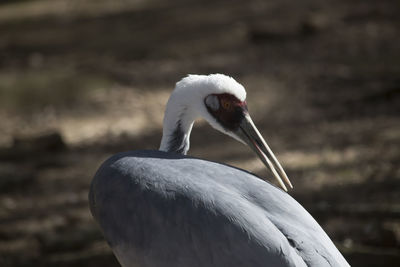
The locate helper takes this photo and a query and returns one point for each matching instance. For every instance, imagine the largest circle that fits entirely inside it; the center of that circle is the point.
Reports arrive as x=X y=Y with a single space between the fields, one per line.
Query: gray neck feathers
x=178 y=141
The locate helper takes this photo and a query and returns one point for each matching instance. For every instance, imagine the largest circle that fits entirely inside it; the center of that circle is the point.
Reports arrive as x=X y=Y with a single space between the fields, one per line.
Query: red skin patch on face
x=231 y=111
x=234 y=102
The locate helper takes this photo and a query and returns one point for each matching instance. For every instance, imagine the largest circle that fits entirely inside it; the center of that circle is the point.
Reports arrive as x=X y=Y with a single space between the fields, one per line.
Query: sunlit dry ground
x=323 y=87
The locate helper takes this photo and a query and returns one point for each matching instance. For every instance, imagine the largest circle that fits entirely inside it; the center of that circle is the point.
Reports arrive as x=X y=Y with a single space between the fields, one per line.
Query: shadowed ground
x=323 y=83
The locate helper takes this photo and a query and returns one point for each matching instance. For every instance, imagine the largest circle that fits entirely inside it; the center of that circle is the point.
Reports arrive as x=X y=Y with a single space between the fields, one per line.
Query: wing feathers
x=161 y=211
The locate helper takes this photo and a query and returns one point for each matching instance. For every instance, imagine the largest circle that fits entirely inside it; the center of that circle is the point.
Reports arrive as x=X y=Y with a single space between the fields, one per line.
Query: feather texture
x=160 y=209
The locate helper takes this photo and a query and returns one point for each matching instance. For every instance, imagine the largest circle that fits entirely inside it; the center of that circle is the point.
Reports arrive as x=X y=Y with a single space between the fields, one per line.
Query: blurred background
x=81 y=80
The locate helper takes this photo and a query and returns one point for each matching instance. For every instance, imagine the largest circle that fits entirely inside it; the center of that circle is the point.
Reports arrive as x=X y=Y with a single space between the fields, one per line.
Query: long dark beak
x=249 y=134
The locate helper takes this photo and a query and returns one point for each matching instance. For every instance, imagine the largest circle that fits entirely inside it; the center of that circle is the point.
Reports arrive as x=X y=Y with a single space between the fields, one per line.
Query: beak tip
x=283 y=186
x=252 y=137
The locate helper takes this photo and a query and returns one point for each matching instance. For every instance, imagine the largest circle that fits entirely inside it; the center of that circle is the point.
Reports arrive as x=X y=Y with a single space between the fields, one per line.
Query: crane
x=161 y=208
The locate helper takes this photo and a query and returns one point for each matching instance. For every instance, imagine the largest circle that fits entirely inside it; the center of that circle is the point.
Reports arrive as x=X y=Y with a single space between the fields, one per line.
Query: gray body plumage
x=160 y=209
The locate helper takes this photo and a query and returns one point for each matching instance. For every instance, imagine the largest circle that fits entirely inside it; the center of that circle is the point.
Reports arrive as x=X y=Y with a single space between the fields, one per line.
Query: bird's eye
x=226 y=104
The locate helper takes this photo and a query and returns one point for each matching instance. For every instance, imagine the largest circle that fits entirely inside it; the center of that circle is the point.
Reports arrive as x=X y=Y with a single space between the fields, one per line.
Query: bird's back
x=162 y=209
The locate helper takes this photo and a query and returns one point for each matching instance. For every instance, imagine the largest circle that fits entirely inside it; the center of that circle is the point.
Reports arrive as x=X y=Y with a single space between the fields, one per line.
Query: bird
x=163 y=208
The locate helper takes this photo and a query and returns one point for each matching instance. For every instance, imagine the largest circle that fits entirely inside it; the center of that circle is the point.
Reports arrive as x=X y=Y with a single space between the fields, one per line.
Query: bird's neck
x=178 y=123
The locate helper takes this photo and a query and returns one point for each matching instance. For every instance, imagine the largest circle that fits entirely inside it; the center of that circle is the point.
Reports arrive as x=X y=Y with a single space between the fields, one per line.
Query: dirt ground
x=81 y=80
